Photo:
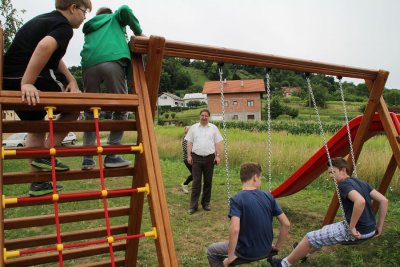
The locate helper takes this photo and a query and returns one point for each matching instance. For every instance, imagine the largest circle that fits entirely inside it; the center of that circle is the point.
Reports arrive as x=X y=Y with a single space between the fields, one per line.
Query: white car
x=19 y=140
x=15 y=140
x=70 y=139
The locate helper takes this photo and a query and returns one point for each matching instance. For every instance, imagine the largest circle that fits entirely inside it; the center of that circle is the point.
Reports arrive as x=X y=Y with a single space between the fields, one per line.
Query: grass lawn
x=193 y=233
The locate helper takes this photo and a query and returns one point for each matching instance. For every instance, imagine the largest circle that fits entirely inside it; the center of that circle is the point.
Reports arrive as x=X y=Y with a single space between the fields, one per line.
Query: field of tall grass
x=193 y=233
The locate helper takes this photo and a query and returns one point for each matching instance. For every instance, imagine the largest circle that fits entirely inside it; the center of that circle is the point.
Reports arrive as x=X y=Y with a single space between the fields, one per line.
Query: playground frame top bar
x=140 y=45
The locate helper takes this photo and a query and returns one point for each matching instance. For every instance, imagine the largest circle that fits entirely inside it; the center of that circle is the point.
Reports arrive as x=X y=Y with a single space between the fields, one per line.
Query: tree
x=10 y=20
x=276 y=107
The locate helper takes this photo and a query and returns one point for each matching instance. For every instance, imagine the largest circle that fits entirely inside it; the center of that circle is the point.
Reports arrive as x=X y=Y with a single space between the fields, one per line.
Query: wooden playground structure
x=145 y=171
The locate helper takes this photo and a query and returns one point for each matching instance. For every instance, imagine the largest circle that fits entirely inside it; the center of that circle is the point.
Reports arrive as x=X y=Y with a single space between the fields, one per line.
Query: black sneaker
x=88 y=163
x=41 y=189
x=276 y=262
x=45 y=164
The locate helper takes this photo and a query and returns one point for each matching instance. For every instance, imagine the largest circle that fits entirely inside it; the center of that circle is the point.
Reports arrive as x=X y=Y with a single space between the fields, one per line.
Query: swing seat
x=241 y=260
x=355 y=242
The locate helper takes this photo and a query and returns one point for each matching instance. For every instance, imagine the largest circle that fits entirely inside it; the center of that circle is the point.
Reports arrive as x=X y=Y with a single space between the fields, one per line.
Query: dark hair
x=340 y=163
x=205 y=110
x=248 y=170
x=104 y=10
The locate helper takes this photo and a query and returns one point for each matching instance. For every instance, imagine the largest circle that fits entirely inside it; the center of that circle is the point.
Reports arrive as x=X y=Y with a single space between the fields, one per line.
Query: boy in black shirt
x=33 y=63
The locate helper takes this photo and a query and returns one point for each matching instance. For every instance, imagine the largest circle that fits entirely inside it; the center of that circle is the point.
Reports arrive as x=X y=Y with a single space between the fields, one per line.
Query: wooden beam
x=140 y=45
x=387 y=178
x=11 y=100
x=155 y=55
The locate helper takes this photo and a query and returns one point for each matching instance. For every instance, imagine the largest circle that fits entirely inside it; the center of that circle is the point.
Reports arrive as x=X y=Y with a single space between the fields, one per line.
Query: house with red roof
x=242 y=99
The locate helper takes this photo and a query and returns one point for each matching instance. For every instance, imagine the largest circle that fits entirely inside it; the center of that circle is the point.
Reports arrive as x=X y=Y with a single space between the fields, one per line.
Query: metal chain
x=348 y=129
x=349 y=236
x=269 y=132
x=228 y=185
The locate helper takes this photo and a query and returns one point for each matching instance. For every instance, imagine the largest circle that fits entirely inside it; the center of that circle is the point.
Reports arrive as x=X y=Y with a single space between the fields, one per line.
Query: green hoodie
x=105 y=38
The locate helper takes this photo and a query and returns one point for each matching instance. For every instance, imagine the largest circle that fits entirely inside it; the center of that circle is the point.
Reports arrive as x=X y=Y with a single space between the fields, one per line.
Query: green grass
x=192 y=234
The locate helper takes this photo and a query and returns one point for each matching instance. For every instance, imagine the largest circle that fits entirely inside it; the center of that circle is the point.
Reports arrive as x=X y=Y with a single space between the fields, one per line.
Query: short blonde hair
x=65 y=4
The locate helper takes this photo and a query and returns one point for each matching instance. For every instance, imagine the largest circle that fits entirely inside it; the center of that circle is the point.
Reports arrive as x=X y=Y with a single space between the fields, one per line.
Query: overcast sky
x=357 y=33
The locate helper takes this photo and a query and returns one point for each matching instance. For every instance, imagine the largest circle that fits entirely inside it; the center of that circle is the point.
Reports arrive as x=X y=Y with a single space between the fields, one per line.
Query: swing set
x=146 y=172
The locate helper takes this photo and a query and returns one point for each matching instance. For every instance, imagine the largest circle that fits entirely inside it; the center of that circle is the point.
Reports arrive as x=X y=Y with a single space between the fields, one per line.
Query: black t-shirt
x=366 y=223
x=52 y=24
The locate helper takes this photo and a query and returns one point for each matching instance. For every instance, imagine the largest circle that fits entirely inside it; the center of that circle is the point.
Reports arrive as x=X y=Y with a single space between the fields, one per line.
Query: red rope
x=81 y=244
x=54 y=180
x=63 y=151
x=103 y=187
x=113 y=192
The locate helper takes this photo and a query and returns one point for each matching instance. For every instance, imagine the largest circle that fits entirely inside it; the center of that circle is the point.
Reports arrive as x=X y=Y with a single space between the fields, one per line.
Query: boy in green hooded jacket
x=105 y=59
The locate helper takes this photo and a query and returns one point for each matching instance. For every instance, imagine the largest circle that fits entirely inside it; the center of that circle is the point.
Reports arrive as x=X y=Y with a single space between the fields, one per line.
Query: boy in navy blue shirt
x=356 y=198
x=251 y=213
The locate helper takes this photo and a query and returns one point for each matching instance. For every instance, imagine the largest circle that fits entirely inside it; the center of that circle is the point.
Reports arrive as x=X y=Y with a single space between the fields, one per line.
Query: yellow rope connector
x=52 y=151
x=10 y=254
x=5 y=201
x=56 y=197
x=99 y=149
x=50 y=110
x=110 y=240
x=146 y=189
x=138 y=148
x=7 y=152
x=152 y=233
x=60 y=247
x=104 y=193
x=95 y=112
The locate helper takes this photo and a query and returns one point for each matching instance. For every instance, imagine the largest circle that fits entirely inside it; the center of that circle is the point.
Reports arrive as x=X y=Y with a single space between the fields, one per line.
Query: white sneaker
x=185 y=188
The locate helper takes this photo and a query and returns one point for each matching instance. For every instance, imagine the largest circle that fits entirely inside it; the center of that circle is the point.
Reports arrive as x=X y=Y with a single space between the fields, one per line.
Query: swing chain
x=348 y=128
x=269 y=165
x=348 y=234
x=228 y=186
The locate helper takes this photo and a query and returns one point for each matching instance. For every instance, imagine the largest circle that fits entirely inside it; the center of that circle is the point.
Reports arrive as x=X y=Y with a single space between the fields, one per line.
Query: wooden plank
x=71 y=101
x=387 y=178
x=118 y=262
x=140 y=45
x=155 y=55
x=155 y=166
x=65 y=126
x=1 y=139
x=74 y=236
x=73 y=175
x=35 y=221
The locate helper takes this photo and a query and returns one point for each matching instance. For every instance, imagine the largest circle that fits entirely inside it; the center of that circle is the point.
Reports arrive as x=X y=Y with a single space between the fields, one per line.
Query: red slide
x=338 y=147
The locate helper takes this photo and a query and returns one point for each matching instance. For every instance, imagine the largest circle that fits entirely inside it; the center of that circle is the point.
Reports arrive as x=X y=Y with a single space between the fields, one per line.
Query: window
x=234 y=102
x=250 y=103
x=235 y=117
x=250 y=117
x=226 y=104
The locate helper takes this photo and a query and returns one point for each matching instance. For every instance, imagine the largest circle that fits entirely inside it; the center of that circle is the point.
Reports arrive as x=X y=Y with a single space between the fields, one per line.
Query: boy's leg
x=302 y=250
x=216 y=253
x=91 y=83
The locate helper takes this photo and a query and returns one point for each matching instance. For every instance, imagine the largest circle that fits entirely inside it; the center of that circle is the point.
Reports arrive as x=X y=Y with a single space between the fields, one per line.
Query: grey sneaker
x=115 y=161
x=88 y=164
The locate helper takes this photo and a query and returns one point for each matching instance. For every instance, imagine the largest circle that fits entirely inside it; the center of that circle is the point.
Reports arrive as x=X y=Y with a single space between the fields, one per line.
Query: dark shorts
x=46 y=84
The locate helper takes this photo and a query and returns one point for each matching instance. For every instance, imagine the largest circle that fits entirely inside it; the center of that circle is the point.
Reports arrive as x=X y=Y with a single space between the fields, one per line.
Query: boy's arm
x=39 y=59
x=126 y=17
x=383 y=206
x=234 y=229
x=284 y=225
x=72 y=85
x=359 y=205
